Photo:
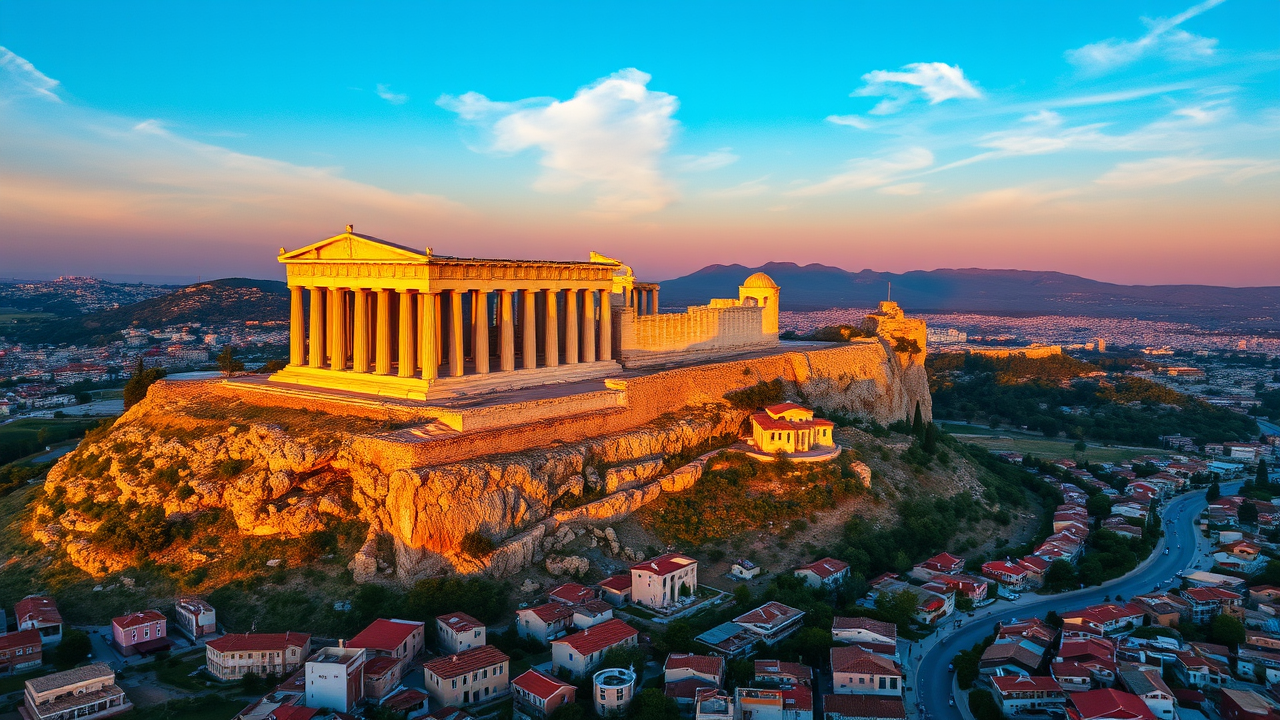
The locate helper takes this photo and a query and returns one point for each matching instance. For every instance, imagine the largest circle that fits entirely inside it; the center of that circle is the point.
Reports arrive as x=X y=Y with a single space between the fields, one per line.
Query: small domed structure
x=613 y=689
x=759 y=280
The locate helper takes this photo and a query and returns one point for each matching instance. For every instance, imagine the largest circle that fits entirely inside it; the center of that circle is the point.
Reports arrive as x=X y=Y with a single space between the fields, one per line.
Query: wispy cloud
x=18 y=77
x=854 y=121
x=713 y=160
x=1163 y=38
x=1010 y=199
x=395 y=98
x=1173 y=170
x=610 y=136
x=750 y=188
x=914 y=188
x=866 y=173
x=935 y=81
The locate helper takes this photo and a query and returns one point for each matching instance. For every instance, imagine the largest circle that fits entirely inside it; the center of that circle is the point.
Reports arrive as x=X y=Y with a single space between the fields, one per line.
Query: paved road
x=932 y=681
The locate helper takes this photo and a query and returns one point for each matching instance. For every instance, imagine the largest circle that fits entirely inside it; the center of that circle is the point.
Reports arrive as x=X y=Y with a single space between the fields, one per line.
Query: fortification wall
x=705 y=329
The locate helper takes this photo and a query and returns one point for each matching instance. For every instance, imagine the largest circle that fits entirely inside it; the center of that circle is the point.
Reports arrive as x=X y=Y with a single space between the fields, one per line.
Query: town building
x=789 y=428
x=544 y=623
x=1208 y=602
x=827 y=572
x=537 y=695
x=616 y=589
x=772 y=622
x=871 y=635
x=39 y=613
x=335 y=678
x=140 y=633
x=862 y=707
x=382 y=675
x=858 y=672
x=400 y=639
x=744 y=569
x=776 y=673
x=20 y=651
x=1147 y=684
x=84 y=693
x=471 y=676
x=1019 y=693
x=1108 y=704
x=661 y=582
x=582 y=651
x=196 y=618
x=706 y=669
x=1247 y=705
x=795 y=703
x=458 y=631
x=612 y=690
x=945 y=563
x=234 y=655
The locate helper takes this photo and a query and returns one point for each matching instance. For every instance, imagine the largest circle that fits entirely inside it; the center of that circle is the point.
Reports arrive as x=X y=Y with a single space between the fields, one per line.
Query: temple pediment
x=353 y=246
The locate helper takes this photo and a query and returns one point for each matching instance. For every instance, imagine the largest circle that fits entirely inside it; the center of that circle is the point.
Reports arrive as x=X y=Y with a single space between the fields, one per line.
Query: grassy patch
x=1051 y=449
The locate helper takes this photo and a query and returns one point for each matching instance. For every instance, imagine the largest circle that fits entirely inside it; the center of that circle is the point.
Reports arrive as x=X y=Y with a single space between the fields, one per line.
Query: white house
x=335 y=678
x=471 y=676
x=1019 y=693
x=582 y=651
x=871 y=635
x=857 y=672
x=827 y=572
x=458 y=631
x=662 y=581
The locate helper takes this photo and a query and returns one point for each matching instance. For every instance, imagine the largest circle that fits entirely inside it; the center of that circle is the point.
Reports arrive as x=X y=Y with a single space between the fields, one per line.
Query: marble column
x=297 y=328
x=551 y=331
x=606 y=326
x=438 y=327
x=480 y=323
x=506 y=318
x=315 y=351
x=588 y=326
x=653 y=301
x=382 y=334
x=529 y=326
x=360 y=331
x=408 y=363
x=338 y=322
x=455 y=333
x=570 y=327
x=429 y=330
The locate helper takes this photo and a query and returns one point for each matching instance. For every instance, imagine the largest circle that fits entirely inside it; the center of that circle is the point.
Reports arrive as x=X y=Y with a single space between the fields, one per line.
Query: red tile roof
x=405 y=700
x=854 y=659
x=944 y=560
x=380 y=665
x=885 y=629
x=386 y=635
x=1110 y=704
x=864 y=706
x=687 y=689
x=460 y=622
x=825 y=568
x=703 y=664
x=1210 y=594
x=552 y=612
x=798 y=698
x=21 y=639
x=452 y=666
x=1003 y=568
x=1020 y=683
x=539 y=685
x=777 y=667
x=664 y=564
x=1069 y=669
x=771 y=614
x=293 y=712
x=572 y=593
x=598 y=637
x=258 y=641
x=124 y=622
x=784 y=407
x=617 y=583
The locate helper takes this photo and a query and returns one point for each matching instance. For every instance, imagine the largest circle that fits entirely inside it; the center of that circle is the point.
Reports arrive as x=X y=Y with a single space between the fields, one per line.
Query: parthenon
x=375 y=317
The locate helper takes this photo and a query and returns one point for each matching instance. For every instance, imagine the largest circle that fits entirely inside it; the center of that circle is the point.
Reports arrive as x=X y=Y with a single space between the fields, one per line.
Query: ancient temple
x=371 y=316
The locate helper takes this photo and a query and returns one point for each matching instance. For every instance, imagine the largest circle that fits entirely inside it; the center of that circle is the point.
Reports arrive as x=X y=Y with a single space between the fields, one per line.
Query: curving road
x=1187 y=549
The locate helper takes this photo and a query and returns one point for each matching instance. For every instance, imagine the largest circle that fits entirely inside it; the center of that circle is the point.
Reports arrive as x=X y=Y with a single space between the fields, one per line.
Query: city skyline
x=1131 y=142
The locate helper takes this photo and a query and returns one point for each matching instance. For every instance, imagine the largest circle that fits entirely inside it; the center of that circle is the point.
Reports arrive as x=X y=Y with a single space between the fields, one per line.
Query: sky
x=1131 y=142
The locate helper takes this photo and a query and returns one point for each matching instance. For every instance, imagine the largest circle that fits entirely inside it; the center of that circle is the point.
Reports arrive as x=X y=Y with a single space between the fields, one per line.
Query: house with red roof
x=1019 y=693
x=382 y=675
x=1104 y=618
x=709 y=669
x=1097 y=655
x=469 y=677
x=772 y=622
x=1208 y=602
x=40 y=613
x=1247 y=705
x=862 y=707
x=944 y=563
x=20 y=651
x=871 y=635
x=777 y=673
x=572 y=593
x=140 y=633
x=1197 y=671
x=790 y=428
x=537 y=695
x=857 y=672
x=616 y=589
x=582 y=651
x=1071 y=676
x=1150 y=687
x=795 y=703
x=827 y=572
x=967 y=585
x=1108 y=705
x=196 y=618
x=1007 y=573
x=458 y=631
x=663 y=581
x=544 y=623
x=235 y=655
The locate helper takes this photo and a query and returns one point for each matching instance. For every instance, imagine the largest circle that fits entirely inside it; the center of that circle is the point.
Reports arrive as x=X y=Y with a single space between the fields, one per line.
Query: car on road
x=1166 y=551
x=951 y=667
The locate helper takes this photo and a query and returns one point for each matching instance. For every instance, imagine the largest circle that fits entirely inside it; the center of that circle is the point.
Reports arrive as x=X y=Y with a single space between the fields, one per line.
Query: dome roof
x=759 y=280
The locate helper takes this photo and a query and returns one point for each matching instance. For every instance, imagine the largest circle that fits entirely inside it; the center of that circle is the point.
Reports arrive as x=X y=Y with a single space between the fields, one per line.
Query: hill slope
x=1006 y=292
x=216 y=302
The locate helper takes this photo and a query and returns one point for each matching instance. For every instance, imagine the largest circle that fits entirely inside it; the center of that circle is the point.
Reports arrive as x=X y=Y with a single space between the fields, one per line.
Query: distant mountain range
x=994 y=292
x=212 y=303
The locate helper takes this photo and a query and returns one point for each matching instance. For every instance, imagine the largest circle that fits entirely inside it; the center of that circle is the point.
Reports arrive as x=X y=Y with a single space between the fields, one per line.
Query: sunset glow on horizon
x=1131 y=142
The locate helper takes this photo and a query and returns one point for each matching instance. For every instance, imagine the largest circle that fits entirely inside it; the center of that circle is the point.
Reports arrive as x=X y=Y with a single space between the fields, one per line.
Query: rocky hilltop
x=199 y=446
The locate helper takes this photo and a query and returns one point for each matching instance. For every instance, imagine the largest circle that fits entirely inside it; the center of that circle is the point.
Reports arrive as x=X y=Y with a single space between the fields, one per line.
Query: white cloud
x=914 y=188
x=609 y=136
x=384 y=92
x=1172 y=170
x=936 y=81
x=854 y=121
x=713 y=160
x=1163 y=38
x=1010 y=199
x=866 y=173
x=750 y=188
x=18 y=77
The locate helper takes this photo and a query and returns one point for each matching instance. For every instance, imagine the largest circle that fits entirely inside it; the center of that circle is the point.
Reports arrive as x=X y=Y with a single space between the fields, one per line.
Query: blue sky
x=1133 y=142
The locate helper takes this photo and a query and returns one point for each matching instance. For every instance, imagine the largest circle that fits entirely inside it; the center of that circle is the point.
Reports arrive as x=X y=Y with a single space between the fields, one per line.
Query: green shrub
x=476 y=545
x=757 y=396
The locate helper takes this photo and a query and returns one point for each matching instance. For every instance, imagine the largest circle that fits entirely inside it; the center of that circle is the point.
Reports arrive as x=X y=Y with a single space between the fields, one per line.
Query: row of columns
x=356 y=325
x=644 y=300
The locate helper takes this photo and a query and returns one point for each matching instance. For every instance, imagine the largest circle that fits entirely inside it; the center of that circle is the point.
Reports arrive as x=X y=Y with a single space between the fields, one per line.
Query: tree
x=143 y=378
x=653 y=704
x=1099 y=506
x=1080 y=446
x=1261 y=479
x=227 y=361
x=251 y=683
x=476 y=545
x=569 y=711
x=1213 y=493
x=1226 y=630
x=964 y=603
x=897 y=607
x=917 y=423
x=1061 y=576
x=73 y=650
x=1248 y=513
x=930 y=444
x=984 y=706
